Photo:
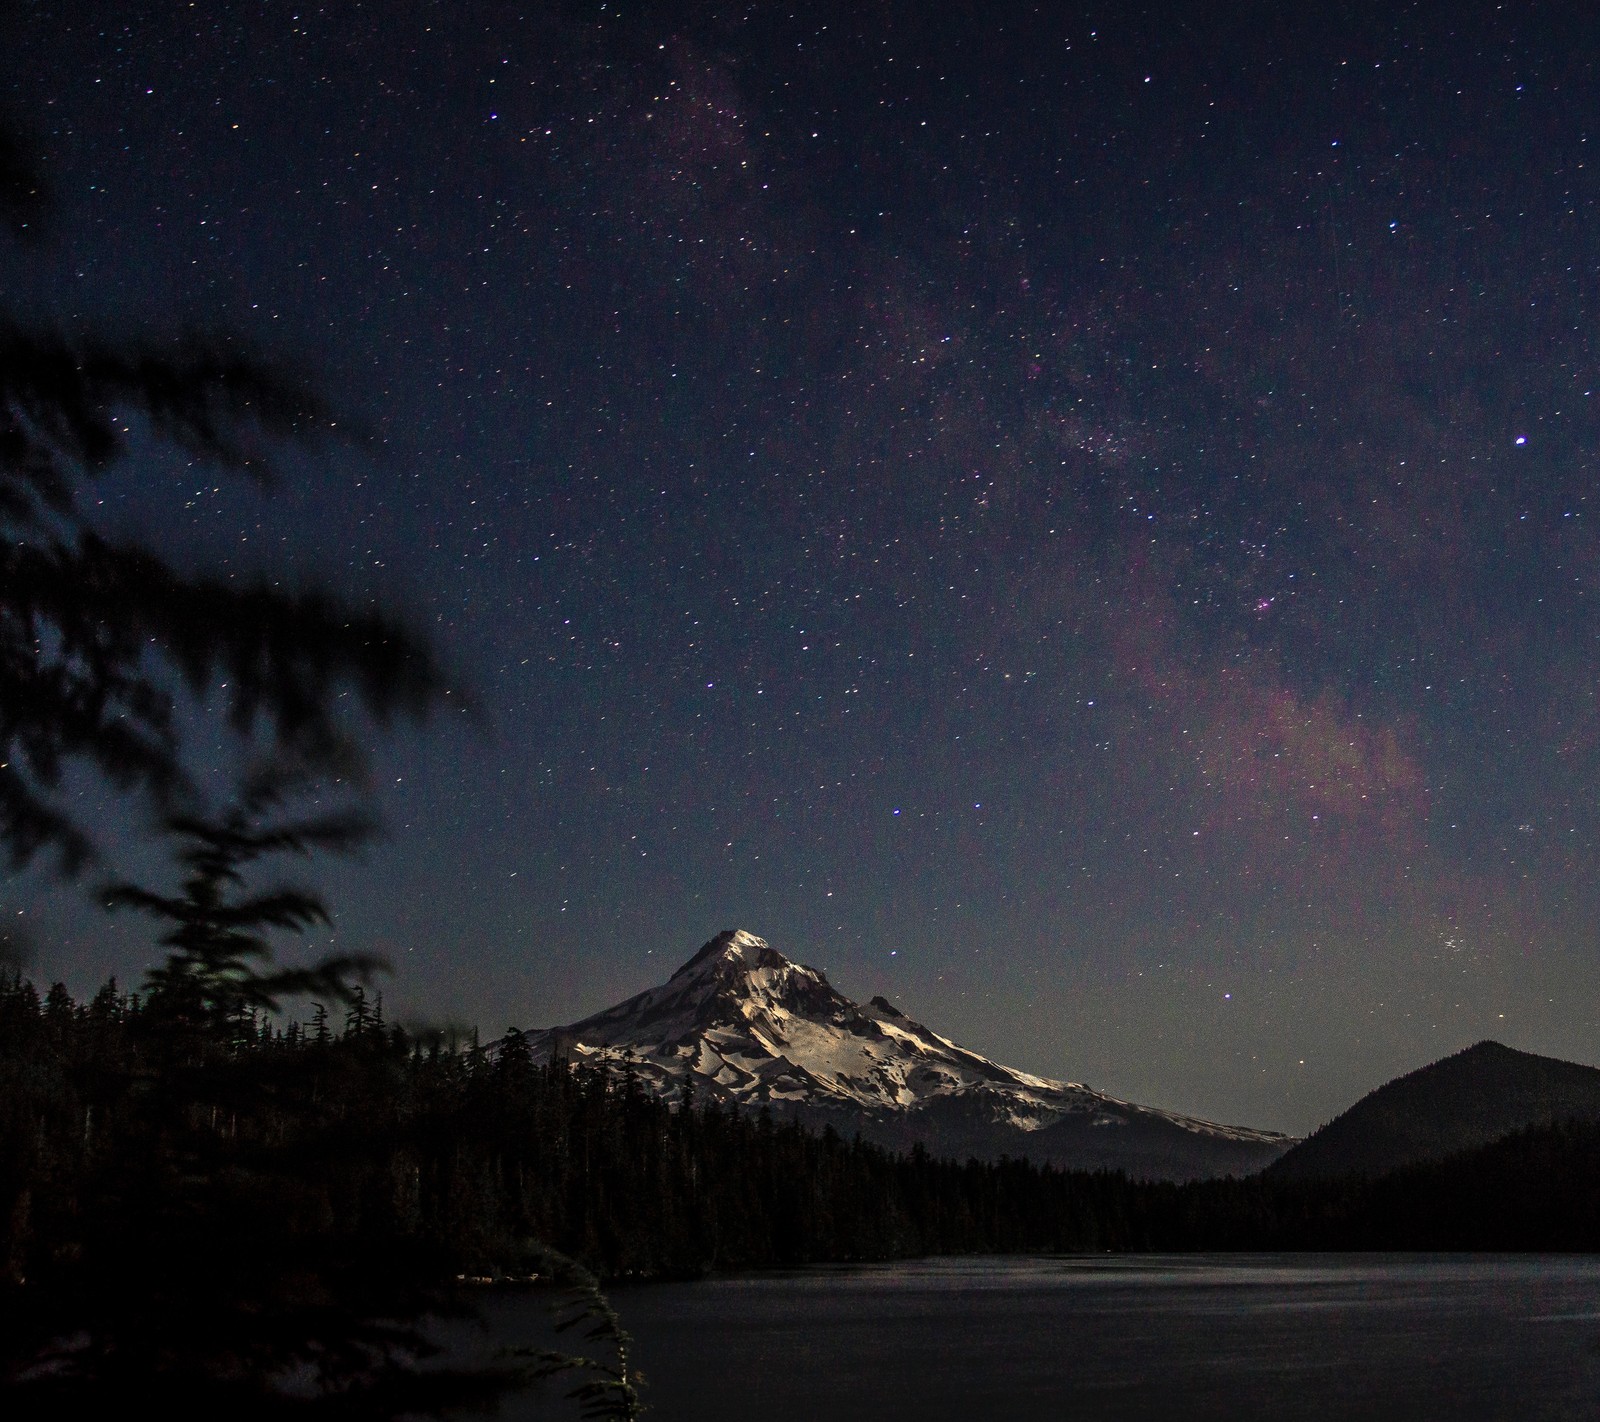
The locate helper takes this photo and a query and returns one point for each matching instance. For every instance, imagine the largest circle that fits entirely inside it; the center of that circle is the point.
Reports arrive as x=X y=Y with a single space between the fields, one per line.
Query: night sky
x=1078 y=519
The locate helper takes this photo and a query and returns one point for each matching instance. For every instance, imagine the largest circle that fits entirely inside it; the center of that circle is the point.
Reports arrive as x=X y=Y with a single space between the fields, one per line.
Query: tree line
x=365 y=1137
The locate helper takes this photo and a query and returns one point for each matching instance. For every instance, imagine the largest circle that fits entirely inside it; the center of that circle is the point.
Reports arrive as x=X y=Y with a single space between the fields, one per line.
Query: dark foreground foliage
x=244 y=1221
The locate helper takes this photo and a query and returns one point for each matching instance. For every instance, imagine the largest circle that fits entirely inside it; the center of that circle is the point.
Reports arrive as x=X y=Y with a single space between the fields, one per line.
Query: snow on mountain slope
x=752 y=1028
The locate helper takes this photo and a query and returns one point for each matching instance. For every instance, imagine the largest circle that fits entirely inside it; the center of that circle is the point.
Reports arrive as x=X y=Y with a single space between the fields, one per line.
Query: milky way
x=1078 y=522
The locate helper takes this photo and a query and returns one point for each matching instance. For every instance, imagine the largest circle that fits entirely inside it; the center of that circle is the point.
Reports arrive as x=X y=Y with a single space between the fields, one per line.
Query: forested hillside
x=474 y=1153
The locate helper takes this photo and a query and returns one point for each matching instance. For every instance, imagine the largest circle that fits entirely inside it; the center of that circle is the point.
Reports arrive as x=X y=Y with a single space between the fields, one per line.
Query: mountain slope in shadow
x=1457 y=1104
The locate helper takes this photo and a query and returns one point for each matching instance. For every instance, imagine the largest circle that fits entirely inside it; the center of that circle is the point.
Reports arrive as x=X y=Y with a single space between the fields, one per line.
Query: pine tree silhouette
x=218 y=953
x=99 y=638
x=210 y=1271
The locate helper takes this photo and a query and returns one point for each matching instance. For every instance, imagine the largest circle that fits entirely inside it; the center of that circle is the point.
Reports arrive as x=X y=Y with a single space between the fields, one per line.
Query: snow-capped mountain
x=747 y=1026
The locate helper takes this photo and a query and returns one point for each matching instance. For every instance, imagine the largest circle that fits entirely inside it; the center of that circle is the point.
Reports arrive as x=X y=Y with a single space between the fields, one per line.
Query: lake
x=1416 y=1337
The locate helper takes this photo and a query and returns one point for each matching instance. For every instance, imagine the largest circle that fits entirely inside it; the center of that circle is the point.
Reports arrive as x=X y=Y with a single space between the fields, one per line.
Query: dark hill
x=1458 y=1104
x=1533 y=1190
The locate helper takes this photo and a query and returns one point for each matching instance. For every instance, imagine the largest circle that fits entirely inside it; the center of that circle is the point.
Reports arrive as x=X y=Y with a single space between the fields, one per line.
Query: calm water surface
x=1415 y=1337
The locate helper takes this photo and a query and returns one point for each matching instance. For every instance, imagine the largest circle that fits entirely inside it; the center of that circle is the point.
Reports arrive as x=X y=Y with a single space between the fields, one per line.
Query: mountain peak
x=1488 y=1047
x=736 y=947
x=744 y=1024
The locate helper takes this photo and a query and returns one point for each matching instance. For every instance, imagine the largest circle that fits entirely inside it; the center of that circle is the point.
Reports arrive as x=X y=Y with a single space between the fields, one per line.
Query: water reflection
x=1327 y=1338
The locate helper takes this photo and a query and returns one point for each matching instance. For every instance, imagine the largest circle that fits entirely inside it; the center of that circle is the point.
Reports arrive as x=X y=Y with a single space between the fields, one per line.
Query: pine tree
x=207 y=1270
x=218 y=953
x=99 y=638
